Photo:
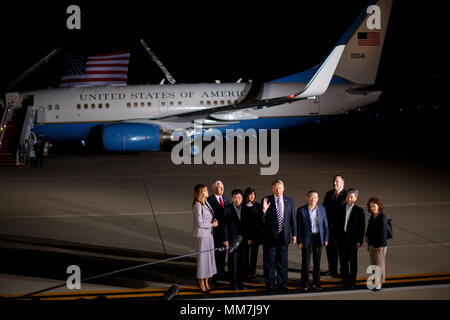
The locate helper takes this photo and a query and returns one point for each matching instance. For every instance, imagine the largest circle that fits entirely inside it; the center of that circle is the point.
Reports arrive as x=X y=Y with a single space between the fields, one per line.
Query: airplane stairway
x=11 y=137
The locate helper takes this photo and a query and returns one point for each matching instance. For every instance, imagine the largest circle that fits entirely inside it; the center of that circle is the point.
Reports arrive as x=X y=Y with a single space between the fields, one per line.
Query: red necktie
x=221 y=202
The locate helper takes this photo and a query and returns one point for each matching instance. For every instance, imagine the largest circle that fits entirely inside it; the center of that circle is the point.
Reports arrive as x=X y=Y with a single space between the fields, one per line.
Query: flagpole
x=29 y=71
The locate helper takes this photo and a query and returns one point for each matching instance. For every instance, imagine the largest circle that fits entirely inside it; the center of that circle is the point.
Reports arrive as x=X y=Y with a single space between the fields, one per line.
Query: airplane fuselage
x=78 y=109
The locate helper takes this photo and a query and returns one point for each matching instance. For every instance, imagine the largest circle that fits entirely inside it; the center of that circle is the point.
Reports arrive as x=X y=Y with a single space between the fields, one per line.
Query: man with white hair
x=218 y=201
x=351 y=228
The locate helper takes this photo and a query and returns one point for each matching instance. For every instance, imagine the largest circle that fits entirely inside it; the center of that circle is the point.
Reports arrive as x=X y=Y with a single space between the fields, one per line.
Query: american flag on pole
x=368 y=38
x=96 y=70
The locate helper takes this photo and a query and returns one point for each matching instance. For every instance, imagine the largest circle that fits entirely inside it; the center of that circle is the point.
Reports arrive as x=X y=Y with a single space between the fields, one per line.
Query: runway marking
x=97 y=215
x=186 y=173
x=332 y=293
x=252 y=288
x=419 y=204
x=118 y=214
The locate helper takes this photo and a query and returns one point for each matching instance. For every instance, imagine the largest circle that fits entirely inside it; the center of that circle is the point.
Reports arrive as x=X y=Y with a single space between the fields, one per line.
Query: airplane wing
x=315 y=87
x=201 y=118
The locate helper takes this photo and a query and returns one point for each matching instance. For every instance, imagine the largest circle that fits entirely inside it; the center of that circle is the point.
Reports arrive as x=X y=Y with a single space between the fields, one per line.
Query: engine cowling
x=131 y=137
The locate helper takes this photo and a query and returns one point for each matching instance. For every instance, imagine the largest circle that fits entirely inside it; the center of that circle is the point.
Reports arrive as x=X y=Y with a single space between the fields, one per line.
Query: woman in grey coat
x=203 y=224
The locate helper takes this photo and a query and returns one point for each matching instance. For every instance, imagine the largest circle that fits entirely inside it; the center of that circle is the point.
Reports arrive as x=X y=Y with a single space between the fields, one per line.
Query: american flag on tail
x=368 y=38
x=95 y=70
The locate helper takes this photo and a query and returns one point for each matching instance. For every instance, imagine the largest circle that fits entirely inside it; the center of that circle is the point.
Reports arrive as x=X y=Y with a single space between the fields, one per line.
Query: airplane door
x=162 y=106
x=40 y=115
x=314 y=105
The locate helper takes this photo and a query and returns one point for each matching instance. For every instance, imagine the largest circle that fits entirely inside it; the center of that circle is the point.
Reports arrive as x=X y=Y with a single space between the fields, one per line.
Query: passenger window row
x=93 y=106
x=143 y=104
x=216 y=102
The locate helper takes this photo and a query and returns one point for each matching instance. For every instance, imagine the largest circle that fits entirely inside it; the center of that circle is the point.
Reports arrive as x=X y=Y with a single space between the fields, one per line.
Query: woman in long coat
x=203 y=224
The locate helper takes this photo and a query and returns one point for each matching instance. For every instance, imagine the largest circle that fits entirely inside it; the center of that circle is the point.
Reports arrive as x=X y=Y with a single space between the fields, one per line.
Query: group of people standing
x=338 y=225
x=32 y=154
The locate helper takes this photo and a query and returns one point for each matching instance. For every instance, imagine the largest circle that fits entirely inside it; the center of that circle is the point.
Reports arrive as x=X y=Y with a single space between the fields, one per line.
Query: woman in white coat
x=203 y=224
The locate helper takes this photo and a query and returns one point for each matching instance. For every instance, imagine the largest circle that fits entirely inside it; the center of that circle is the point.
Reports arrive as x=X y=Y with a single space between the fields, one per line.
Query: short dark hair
x=312 y=191
x=339 y=175
x=237 y=191
x=377 y=201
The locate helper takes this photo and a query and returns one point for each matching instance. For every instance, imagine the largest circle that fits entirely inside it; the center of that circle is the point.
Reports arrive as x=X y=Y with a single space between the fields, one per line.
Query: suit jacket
x=355 y=226
x=232 y=226
x=203 y=217
x=270 y=221
x=304 y=225
x=332 y=205
x=218 y=214
x=255 y=225
x=218 y=209
x=377 y=231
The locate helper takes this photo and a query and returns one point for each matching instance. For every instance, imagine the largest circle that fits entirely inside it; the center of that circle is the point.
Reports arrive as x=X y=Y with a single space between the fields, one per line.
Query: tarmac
x=105 y=212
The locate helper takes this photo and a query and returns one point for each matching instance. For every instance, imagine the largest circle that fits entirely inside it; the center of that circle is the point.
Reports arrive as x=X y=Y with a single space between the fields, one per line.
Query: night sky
x=205 y=41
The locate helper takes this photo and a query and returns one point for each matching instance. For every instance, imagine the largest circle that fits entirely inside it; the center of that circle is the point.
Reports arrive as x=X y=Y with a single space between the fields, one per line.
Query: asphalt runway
x=107 y=212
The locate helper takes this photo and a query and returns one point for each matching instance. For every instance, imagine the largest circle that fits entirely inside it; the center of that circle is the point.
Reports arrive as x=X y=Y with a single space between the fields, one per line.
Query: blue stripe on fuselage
x=80 y=131
x=66 y=131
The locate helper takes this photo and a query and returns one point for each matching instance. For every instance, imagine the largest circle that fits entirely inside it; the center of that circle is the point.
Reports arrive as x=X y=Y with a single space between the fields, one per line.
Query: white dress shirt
x=218 y=198
x=348 y=210
x=314 y=220
x=281 y=202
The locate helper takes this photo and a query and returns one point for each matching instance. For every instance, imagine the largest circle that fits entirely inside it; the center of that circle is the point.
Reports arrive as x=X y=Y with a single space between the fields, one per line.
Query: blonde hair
x=277 y=182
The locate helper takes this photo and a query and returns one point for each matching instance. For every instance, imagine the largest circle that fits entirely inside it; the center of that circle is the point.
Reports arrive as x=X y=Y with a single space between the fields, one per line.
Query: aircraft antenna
x=158 y=62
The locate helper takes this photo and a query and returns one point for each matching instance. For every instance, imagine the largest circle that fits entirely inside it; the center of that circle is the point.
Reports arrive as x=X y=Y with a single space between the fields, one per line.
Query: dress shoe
x=304 y=287
x=318 y=287
x=344 y=282
x=350 y=285
x=283 y=289
x=330 y=273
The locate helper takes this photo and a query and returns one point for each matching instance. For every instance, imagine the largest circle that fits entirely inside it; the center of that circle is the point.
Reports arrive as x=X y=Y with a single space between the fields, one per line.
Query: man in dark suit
x=334 y=199
x=278 y=215
x=312 y=235
x=236 y=223
x=351 y=227
x=218 y=202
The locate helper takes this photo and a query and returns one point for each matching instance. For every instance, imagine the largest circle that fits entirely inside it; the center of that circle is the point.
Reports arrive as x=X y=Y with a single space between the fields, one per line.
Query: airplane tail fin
x=363 y=45
x=365 y=37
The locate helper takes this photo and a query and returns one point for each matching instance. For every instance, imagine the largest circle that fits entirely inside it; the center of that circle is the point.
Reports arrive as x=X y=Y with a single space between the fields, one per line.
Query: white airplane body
x=146 y=112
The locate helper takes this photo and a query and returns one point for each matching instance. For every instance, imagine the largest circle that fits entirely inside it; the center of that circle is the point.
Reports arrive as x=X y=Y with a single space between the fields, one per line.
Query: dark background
x=227 y=40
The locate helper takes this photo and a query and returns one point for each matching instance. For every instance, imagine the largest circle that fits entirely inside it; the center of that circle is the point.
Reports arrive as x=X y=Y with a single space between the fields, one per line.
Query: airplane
x=134 y=118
